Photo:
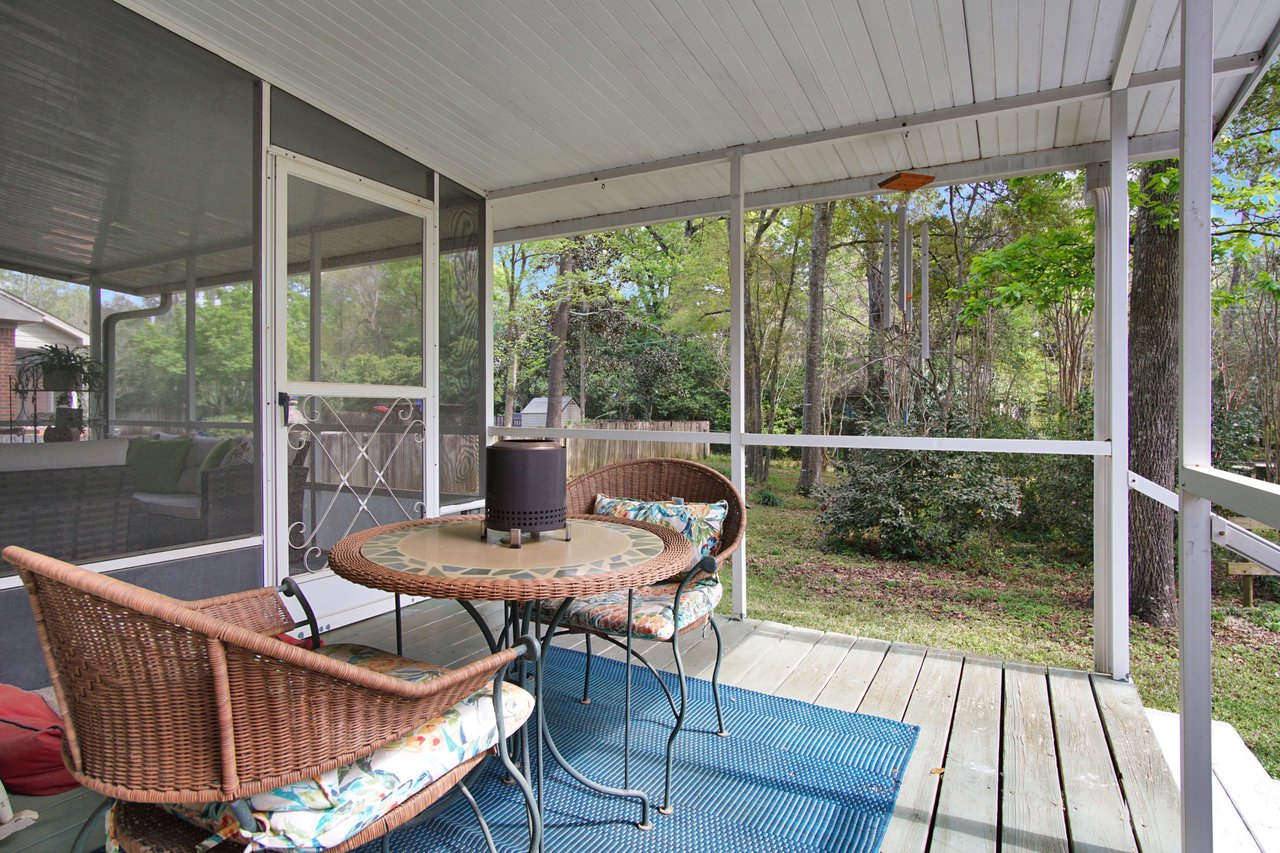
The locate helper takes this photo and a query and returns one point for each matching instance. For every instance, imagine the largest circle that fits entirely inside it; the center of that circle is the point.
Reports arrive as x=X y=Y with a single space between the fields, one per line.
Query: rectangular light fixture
x=906 y=181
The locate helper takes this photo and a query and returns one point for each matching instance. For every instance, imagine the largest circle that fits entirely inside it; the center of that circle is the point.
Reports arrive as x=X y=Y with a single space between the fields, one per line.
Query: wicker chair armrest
x=262 y=611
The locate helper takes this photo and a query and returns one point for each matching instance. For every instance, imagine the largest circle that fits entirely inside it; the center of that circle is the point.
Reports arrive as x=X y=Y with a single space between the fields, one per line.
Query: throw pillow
x=219 y=452
x=241 y=453
x=157 y=463
x=698 y=522
x=31 y=745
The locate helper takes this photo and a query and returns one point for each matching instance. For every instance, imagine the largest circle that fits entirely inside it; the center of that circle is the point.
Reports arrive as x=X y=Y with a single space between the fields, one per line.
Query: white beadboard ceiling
x=501 y=94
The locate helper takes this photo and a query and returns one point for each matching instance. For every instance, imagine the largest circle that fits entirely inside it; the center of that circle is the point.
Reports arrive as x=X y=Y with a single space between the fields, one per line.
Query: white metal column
x=737 y=368
x=431 y=358
x=486 y=256
x=1195 y=426
x=1111 y=402
x=265 y=343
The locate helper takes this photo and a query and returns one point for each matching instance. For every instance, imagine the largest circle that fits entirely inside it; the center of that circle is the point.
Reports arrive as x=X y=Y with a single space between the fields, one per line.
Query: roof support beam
x=737 y=368
x=1228 y=66
x=1141 y=148
x=1247 y=87
x=1195 y=432
x=1135 y=27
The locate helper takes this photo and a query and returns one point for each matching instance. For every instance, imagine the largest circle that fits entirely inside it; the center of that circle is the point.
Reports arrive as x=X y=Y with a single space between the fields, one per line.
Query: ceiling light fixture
x=906 y=181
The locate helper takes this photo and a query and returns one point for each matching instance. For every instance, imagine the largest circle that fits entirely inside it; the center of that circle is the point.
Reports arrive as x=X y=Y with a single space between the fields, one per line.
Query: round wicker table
x=446 y=558
x=449 y=557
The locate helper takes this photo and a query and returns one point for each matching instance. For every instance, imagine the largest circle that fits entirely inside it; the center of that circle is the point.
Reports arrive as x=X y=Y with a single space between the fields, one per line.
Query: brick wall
x=8 y=365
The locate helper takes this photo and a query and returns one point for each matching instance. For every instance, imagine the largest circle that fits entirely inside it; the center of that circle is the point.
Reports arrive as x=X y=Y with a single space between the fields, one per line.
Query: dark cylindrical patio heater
x=525 y=488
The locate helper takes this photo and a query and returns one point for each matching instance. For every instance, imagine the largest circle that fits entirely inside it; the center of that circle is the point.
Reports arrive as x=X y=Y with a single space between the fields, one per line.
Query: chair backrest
x=165 y=703
x=662 y=480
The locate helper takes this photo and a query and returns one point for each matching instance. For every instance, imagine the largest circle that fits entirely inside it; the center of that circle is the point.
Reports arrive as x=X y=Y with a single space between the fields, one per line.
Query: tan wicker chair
x=663 y=480
x=168 y=701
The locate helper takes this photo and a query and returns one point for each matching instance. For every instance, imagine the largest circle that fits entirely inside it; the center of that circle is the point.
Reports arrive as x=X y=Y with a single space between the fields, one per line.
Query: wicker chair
x=662 y=480
x=178 y=702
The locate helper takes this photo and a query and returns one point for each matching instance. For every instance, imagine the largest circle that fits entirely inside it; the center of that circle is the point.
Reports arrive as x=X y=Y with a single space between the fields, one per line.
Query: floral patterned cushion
x=699 y=523
x=319 y=813
x=651 y=616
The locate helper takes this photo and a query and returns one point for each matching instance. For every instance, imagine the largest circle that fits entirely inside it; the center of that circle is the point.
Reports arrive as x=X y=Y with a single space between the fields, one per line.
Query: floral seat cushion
x=700 y=523
x=322 y=812
x=652 y=617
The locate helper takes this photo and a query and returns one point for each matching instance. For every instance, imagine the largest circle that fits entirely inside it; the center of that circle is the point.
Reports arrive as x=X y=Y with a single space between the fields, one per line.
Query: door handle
x=283 y=399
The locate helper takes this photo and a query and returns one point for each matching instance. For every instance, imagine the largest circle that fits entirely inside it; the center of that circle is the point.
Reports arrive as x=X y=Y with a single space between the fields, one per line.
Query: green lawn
x=1014 y=601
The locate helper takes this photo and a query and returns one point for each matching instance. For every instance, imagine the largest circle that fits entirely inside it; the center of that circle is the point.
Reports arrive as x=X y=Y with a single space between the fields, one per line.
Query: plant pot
x=58 y=379
x=61 y=433
x=69 y=417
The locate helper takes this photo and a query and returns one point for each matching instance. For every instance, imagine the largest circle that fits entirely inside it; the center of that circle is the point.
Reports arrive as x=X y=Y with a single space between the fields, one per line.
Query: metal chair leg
x=586 y=681
x=667 y=807
x=715 y=678
x=82 y=837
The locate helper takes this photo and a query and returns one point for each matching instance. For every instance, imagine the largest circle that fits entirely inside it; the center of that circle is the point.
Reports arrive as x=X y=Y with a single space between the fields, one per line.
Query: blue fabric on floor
x=791 y=776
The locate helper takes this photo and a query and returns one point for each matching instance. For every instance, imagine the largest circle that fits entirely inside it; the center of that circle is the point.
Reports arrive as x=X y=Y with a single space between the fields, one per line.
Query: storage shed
x=534 y=413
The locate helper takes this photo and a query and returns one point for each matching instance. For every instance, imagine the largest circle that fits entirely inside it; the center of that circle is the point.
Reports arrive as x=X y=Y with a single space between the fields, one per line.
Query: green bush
x=914 y=504
x=767 y=497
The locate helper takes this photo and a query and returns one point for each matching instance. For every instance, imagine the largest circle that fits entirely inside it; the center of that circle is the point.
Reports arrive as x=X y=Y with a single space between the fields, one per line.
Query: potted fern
x=57 y=367
x=63 y=370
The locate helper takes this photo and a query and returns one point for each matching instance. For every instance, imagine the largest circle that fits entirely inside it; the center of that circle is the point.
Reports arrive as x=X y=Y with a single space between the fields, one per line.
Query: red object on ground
x=308 y=643
x=31 y=745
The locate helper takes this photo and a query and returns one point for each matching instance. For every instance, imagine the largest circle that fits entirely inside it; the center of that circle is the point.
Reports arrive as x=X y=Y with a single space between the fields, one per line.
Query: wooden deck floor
x=1011 y=756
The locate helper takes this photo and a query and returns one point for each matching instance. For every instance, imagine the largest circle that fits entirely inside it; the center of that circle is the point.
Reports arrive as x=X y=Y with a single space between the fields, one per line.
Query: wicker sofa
x=89 y=500
x=74 y=500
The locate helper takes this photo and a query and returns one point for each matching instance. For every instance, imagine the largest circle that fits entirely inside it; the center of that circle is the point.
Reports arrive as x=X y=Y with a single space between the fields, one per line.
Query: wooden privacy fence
x=460 y=454
x=589 y=454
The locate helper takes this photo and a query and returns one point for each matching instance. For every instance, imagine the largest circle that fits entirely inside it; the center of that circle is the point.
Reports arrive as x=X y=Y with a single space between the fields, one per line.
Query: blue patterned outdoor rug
x=791 y=777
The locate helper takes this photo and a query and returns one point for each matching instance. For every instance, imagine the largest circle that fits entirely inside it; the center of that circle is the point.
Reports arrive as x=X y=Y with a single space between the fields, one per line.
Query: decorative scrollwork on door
x=366 y=470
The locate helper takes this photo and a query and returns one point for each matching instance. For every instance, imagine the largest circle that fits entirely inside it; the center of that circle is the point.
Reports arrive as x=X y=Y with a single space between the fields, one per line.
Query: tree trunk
x=509 y=399
x=811 y=418
x=559 y=339
x=875 y=317
x=753 y=385
x=1153 y=405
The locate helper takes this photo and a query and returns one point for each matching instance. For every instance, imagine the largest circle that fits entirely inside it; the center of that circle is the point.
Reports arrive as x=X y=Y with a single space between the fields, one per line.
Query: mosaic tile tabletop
x=453 y=549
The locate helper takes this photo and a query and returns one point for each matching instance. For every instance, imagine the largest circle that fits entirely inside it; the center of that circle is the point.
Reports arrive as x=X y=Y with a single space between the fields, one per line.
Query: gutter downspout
x=109 y=348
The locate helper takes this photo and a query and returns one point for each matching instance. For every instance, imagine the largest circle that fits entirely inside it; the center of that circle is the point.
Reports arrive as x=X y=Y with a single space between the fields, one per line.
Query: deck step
x=1246 y=801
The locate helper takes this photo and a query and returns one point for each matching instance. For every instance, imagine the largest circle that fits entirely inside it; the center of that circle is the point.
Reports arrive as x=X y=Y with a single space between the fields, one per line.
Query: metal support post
x=737 y=366
x=1110 y=190
x=1195 y=426
x=189 y=315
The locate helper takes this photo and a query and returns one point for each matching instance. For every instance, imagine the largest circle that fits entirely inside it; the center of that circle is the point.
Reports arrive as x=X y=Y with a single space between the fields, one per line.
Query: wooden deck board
x=1149 y=788
x=61 y=817
x=1031 y=802
x=1097 y=817
x=930 y=708
x=890 y=690
x=852 y=677
x=969 y=803
x=769 y=670
x=740 y=658
x=977 y=716
x=807 y=680
x=701 y=660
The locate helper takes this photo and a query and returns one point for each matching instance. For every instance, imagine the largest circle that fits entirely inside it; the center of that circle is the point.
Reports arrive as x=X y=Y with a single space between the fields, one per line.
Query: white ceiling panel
x=502 y=94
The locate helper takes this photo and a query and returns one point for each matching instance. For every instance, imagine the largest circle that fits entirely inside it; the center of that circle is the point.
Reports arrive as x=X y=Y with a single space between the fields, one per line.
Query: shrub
x=915 y=504
x=767 y=497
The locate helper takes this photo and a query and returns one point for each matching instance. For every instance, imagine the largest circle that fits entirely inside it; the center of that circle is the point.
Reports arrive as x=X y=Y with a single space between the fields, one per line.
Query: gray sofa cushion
x=189 y=480
x=176 y=505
